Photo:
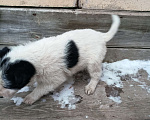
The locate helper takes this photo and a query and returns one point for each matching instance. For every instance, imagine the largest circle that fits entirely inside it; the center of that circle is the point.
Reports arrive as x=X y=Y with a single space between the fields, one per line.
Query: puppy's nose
x=1 y=96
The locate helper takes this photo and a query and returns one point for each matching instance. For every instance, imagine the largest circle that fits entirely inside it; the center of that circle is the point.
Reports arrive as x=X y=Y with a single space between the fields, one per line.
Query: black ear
x=18 y=74
x=4 y=51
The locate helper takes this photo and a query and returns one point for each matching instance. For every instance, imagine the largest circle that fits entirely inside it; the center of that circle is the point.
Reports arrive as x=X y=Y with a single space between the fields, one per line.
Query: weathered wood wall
x=19 y=25
x=40 y=3
x=138 y=5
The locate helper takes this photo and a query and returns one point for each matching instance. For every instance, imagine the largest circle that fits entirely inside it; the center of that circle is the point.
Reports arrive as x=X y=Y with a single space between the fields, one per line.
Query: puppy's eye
x=4 y=61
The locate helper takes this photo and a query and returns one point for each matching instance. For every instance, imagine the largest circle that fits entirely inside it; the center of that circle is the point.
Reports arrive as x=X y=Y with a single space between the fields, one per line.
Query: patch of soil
x=113 y=91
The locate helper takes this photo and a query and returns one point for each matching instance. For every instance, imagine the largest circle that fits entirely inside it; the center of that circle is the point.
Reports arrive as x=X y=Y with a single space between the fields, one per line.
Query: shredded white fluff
x=116 y=99
x=113 y=71
x=24 y=89
x=43 y=100
x=17 y=100
x=66 y=96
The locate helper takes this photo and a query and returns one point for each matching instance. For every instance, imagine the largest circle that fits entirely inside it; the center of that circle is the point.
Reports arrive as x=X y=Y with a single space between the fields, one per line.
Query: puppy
x=51 y=61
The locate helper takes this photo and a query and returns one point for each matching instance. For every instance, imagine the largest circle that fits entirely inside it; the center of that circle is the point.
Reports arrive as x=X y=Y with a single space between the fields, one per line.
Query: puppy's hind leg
x=94 y=70
x=43 y=88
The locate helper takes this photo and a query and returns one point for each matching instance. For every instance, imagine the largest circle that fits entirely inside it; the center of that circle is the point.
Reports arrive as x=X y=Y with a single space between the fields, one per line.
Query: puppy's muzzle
x=7 y=93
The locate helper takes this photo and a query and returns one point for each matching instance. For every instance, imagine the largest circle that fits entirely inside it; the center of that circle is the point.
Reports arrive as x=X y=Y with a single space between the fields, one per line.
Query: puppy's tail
x=113 y=29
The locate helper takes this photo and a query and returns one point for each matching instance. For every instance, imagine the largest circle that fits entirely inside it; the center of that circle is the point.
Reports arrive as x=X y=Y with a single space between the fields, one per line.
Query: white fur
x=47 y=55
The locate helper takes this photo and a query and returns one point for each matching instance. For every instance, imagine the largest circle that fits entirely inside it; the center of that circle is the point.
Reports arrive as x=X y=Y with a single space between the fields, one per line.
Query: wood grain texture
x=137 y=5
x=115 y=54
x=97 y=106
x=114 y=12
x=33 y=24
x=39 y=3
x=131 y=42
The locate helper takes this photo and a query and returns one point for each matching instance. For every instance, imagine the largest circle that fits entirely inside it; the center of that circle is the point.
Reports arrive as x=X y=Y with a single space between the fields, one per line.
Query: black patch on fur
x=17 y=75
x=72 y=54
x=4 y=51
x=4 y=61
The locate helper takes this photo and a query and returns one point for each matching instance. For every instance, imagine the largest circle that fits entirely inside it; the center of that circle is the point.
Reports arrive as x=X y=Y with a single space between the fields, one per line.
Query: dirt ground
x=135 y=103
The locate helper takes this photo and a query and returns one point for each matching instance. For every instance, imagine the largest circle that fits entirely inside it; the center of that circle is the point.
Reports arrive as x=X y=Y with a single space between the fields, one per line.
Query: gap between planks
x=77 y=10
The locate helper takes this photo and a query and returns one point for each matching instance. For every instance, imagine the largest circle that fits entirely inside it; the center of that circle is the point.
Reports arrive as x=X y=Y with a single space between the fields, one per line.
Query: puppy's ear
x=4 y=51
x=18 y=74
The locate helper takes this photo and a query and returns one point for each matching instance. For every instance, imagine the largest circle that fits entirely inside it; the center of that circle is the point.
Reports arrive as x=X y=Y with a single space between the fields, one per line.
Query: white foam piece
x=17 y=100
x=24 y=89
x=43 y=100
x=116 y=99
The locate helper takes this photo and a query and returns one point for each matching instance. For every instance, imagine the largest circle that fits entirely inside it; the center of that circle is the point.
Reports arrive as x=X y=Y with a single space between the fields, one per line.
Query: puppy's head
x=14 y=76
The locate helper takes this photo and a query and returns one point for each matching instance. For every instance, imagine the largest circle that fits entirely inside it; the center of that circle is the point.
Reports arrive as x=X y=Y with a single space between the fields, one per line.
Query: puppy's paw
x=89 y=89
x=29 y=100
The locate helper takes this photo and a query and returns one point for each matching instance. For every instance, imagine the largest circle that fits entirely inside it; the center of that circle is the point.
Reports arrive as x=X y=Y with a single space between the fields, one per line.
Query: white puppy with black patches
x=51 y=61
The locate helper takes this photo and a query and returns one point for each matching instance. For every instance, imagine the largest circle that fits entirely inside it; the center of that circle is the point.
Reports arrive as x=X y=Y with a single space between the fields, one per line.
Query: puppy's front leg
x=44 y=88
x=38 y=92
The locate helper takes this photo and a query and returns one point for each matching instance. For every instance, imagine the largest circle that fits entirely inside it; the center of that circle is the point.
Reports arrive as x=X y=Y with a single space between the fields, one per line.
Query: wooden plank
x=114 y=12
x=33 y=24
x=134 y=106
x=115 y=54
x=137 y=5
x=39 y=3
